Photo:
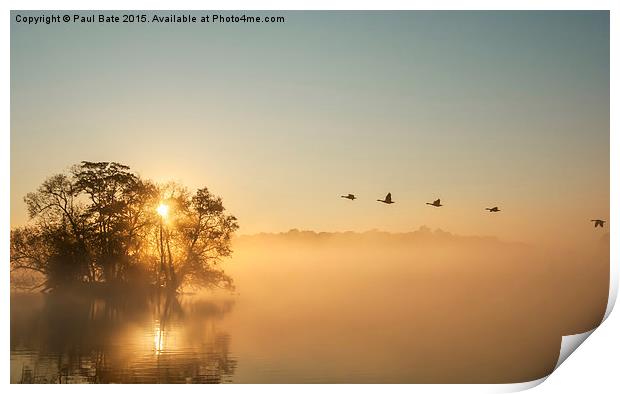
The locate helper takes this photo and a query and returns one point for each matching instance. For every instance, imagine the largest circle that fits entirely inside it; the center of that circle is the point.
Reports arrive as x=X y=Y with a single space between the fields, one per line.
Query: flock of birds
x=437 y=204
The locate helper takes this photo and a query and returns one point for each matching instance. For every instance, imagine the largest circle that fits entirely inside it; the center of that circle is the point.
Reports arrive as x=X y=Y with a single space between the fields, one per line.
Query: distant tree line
x=99 y=223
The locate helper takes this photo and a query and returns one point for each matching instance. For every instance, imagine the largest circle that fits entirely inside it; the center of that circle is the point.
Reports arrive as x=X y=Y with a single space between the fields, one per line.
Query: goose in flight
x=598 y=222
x=494 y=209
x=388 y=199
x=436 y=203
x=349 y=197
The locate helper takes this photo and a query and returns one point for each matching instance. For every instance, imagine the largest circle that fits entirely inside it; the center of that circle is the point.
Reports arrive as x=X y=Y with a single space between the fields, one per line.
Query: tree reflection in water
x=151 y=339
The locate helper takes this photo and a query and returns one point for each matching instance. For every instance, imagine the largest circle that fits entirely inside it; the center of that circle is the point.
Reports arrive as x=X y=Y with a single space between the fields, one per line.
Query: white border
x=600 y=362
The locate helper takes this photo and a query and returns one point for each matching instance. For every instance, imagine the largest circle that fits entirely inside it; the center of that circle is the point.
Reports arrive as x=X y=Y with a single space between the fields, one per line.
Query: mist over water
x=422 y=307
x=445 y=114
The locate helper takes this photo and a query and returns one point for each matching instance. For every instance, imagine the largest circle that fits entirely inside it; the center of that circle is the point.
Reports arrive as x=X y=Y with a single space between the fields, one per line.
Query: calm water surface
x=66 y=339
x=322 y=314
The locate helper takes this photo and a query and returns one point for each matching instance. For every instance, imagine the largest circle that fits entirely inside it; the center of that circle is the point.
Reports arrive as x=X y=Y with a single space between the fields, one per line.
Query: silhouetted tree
x=196 y=238
x=99 y=224
x=113 y=193
x=30 y=257
x=204 y=233
x=60 y=225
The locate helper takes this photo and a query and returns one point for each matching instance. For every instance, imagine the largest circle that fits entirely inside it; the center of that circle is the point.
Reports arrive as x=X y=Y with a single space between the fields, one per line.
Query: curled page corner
x=570 y=343
x=516 y=387
x=613 y=287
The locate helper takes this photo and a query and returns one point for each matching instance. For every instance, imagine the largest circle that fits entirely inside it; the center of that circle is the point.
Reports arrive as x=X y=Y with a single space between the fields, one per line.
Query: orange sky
x=478 y=109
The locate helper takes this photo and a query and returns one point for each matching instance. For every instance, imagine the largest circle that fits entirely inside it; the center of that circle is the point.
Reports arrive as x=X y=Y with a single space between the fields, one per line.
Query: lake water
x=325 y=313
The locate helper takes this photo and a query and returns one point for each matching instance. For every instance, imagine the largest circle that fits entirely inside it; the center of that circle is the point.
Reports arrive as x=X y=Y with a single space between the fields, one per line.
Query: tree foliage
x=99 y=224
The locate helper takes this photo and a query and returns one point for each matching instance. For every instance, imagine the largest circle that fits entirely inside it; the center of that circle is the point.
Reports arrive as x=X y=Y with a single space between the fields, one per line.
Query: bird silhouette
x=436 y=203
x=494 y=209
x=349 y=197
x=388 y=199
x=598 y=222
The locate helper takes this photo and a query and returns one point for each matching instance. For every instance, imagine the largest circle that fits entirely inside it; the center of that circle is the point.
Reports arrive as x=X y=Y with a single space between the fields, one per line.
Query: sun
x=162 y=210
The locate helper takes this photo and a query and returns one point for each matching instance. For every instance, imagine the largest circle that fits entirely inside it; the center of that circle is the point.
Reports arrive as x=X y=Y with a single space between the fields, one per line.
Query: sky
x=476 y=108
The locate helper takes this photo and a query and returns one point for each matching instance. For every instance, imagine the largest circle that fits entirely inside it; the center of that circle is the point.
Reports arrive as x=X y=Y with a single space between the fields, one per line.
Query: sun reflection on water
x=158 y=338
x=169 y=341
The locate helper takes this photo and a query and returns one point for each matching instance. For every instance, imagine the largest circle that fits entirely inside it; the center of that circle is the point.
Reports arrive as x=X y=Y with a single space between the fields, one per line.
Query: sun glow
x=162 y=210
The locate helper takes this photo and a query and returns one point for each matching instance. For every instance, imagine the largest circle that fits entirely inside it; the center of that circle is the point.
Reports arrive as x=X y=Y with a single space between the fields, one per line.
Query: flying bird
x=349 y=197
x=436 y=203
x=388 y=199
x=494 y=209
x=598 y=222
